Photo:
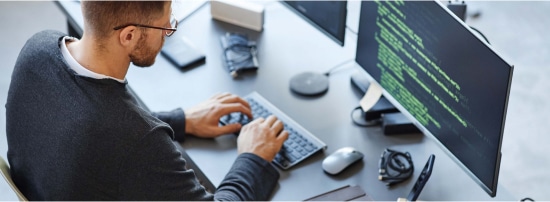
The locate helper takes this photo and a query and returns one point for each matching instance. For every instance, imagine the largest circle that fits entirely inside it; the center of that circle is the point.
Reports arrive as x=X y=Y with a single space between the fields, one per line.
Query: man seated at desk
x=76 y=133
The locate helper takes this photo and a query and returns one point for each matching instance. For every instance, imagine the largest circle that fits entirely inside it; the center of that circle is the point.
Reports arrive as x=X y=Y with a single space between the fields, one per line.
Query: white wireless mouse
x=341 y=159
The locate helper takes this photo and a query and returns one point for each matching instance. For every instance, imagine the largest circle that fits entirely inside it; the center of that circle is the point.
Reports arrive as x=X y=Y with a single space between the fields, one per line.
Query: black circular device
x=309 y=83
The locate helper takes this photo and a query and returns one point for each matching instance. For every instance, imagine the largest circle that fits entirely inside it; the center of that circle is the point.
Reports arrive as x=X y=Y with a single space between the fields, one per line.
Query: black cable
x=360 y=120
x=392 y=169
x=351 y=30
x=338 y=66
x=482 y=35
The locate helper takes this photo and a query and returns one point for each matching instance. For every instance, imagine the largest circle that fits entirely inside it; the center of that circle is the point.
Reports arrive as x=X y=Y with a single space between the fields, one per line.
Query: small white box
x=242 y=13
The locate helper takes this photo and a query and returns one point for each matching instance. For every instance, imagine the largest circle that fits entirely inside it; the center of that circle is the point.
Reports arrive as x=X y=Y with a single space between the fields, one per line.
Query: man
x=76 y=133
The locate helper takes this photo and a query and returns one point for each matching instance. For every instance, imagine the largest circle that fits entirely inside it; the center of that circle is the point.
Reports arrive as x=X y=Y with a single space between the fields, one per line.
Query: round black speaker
x=309 y=83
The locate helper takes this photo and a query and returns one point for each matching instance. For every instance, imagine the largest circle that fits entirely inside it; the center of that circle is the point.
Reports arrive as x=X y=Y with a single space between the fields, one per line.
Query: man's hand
x=263 y=137
x=203 y=119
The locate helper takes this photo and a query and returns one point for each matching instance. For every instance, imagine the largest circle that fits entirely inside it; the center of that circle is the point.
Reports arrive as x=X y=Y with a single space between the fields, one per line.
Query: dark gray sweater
x=76 y=138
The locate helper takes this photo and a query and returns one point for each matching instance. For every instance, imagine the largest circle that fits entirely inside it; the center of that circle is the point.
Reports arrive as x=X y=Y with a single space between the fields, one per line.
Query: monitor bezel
x=490 y=190
x=343 y=25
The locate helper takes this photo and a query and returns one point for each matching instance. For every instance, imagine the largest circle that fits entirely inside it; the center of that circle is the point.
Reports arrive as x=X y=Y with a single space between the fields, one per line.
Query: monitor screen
x=448 y=81
x=327 y=16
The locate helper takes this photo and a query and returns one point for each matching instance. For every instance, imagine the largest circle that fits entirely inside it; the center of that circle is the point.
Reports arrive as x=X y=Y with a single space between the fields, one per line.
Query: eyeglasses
x=169 y=31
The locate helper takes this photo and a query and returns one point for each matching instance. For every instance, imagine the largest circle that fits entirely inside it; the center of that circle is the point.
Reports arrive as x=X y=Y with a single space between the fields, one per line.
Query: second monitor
x=327 y=16
x=330 y=18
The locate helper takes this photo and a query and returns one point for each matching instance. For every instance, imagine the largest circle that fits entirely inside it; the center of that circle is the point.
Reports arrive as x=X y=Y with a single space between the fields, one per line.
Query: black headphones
x=395 y=167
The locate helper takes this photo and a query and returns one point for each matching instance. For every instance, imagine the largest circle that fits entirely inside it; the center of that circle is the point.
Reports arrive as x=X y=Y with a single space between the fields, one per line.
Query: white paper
x=373 y=94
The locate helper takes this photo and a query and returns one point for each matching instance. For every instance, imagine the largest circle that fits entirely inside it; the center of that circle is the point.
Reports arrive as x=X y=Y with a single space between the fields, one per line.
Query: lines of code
x=397 y=41
x=433 y=66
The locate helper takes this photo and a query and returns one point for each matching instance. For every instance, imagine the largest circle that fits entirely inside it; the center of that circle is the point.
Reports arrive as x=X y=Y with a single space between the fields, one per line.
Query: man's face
x=145 y=53
x=150 y=42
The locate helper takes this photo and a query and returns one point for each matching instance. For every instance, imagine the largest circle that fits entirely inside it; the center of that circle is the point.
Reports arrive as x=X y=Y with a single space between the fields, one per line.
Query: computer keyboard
x=300 y=143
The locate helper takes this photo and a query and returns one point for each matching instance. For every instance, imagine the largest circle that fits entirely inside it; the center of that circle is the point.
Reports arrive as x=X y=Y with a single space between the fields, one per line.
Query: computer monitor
x=330 y=18
x=327 y=16
x=449 y=82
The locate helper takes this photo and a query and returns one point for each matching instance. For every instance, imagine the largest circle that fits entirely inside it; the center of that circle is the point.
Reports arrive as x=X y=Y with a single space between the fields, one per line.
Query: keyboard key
x=308 y=148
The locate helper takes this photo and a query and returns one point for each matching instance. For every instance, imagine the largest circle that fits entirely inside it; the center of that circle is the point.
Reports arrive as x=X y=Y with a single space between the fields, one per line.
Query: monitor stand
x=393 y=122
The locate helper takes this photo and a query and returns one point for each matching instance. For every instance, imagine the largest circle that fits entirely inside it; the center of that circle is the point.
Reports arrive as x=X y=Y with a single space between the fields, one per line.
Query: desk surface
x=284 y=52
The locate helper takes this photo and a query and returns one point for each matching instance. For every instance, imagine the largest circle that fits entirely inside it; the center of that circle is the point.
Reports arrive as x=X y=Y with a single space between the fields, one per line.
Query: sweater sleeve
x=251 y=178
x=176 y=120
x=156 y=170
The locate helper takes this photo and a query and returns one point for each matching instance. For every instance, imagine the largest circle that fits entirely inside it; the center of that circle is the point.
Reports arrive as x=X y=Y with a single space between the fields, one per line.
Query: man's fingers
x=235 y=107
x=281 y=138
x=229 y=128
x=233 y=99
x=258 y=120
x=218 y=96
x=270 y=120
x=277 y=126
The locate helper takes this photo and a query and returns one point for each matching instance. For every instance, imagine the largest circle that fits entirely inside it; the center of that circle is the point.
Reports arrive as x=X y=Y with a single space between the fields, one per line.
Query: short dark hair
x=102 y=16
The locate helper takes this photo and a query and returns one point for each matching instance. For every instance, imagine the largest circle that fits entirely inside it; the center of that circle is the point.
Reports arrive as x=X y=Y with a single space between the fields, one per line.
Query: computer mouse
x=341 y=159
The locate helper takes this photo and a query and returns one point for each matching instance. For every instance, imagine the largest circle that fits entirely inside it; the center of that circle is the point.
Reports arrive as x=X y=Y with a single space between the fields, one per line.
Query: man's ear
x=128 y=37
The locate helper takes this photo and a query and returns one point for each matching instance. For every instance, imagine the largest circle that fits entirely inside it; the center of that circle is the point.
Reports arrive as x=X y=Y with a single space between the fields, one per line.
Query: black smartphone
x=422 y=179
x=182 y=53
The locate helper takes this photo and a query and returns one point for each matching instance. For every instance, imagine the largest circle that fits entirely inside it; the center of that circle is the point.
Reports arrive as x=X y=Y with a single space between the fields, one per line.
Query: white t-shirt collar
x=79 y=69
